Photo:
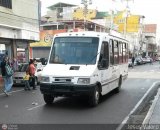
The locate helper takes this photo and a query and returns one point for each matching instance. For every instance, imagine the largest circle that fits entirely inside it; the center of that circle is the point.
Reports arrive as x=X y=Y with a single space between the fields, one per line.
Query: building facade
x=150 y=45
x=19 y=25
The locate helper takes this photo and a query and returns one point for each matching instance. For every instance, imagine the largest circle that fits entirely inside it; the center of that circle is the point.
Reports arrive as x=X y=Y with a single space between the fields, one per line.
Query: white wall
x=25 y=8
x=20 y=22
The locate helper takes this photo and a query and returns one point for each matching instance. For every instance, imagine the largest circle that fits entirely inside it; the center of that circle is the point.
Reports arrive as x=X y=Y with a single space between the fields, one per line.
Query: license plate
x=18 y=81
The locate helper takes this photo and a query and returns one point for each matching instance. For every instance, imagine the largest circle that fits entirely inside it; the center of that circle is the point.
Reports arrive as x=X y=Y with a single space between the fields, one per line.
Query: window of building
x=6 y=3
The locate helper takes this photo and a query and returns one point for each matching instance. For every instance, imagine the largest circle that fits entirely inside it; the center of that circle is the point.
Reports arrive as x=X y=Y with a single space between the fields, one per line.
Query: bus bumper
x=66 y=89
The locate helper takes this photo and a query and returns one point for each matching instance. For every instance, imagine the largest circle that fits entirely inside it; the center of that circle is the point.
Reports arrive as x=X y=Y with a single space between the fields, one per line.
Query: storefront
x=22 y=51
x=41 y=49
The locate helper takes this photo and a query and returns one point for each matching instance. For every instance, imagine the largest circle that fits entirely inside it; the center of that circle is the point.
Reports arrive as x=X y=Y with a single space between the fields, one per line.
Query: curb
x=150 y=112
x=140 y=104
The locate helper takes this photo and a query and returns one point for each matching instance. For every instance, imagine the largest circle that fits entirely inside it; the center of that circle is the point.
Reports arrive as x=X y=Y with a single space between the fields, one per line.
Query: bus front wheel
x=94 y=98
x=48 y=99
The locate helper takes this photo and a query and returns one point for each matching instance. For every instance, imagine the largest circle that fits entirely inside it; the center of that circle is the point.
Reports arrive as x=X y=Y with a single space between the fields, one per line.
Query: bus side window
x=120 y=53
x=104 y=56
x=116 y=53
x=111 y=51
x=124 y=53
x=127 y=53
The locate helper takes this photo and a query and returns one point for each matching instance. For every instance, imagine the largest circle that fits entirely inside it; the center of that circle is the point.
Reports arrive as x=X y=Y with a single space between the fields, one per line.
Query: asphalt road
x=28 y=107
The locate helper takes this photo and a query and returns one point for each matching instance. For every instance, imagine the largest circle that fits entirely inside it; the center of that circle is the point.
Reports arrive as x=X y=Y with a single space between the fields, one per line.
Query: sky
x=149 y=8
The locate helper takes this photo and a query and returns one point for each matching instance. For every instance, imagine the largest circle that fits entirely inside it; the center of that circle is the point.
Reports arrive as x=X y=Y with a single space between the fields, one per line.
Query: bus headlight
x=44 y=79
x=83 y=81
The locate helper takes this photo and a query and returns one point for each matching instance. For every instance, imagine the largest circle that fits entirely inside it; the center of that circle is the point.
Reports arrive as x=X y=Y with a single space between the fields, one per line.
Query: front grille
x=62 y=80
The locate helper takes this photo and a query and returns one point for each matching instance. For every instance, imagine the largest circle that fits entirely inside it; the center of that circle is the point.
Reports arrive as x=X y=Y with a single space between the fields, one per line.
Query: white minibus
x=87 y=64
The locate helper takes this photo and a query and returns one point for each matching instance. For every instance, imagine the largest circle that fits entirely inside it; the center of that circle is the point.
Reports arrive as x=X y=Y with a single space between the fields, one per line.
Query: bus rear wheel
x=117 y=90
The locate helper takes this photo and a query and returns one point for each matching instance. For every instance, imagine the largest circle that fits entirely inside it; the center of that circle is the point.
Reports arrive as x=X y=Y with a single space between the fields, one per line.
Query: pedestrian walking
x=32 y=71
x=7 y=73
x=133 y=59
x=26 y=81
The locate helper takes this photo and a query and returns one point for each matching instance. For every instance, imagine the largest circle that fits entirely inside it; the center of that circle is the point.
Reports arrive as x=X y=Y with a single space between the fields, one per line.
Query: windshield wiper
x=93 y=58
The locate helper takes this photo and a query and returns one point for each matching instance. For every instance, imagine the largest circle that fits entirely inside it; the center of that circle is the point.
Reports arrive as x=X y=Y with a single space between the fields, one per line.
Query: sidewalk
x=155 y=118
x=153 y=115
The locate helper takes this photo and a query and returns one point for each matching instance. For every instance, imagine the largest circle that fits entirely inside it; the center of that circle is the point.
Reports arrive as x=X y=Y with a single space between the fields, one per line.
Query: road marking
x=13 y=91
x=29 y=109
x=137 y=105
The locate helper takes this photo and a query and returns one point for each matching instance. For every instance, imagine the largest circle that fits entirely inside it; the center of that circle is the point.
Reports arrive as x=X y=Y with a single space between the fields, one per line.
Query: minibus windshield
x=74 y=50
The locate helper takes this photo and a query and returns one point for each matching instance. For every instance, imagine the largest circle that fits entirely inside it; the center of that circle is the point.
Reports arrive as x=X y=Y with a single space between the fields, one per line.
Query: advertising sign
x=132 y=22
x=46 y=37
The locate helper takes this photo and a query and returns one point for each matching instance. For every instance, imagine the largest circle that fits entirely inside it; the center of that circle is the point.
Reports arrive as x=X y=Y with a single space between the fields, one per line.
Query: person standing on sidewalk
x=133 y=59
x=8 y=81
x=32 y=70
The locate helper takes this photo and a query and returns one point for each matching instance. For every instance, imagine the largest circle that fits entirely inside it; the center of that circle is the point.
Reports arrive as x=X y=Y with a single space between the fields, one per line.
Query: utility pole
x=85 y=10
x=112 y=14
x=141 y=34
x=127 y=13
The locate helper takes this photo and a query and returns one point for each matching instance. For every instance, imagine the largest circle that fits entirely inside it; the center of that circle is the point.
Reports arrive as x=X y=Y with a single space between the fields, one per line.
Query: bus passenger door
x=103 y=66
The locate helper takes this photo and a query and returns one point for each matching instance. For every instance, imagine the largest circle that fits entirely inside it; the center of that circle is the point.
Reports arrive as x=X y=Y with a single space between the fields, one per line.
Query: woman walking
x=32 y=70
x=7 y=73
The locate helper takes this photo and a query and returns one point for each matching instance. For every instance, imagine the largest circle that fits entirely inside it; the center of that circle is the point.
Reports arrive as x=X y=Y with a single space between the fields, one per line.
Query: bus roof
x=91 y=34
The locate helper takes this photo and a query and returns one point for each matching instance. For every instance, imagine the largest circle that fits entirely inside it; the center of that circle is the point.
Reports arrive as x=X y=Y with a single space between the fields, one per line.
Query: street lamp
x=85 y=10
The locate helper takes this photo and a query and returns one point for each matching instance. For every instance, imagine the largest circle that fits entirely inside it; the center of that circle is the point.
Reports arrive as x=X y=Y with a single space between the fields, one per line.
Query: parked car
x=18 y=75
x=42 y=60
x=147 y=59
x=157 y=58
x=139 y=61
